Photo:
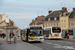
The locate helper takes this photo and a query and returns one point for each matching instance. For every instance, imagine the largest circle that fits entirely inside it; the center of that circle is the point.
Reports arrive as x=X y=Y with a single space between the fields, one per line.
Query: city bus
x=52 y=32
x=32 y=33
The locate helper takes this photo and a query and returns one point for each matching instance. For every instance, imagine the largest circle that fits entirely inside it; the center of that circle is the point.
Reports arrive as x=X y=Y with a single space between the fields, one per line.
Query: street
x=46 y=45
x=56 y=45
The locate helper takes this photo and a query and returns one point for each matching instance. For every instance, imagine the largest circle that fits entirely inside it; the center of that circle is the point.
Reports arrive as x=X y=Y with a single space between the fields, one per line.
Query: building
x=53 y=18
x=38 y=21
x=5 y=22
x=67 y=22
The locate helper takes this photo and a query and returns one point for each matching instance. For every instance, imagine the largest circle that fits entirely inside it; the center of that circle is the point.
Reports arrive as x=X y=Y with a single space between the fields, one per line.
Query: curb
x=69 y=39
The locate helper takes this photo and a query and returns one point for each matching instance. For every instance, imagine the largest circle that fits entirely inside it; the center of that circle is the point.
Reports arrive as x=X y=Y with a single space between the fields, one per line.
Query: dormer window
x=64 y=14
x=48 y=19
x=55 y=18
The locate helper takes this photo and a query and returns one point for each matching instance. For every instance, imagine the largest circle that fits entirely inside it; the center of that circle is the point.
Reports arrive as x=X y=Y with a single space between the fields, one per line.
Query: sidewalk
x=20 y=45
x=70 y=39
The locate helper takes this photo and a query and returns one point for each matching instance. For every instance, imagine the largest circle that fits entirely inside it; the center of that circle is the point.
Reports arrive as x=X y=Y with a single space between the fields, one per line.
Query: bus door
x=28 y=31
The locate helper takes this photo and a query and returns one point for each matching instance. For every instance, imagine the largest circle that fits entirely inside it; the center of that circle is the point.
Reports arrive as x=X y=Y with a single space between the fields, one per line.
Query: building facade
x=4 y=22
x=53 y=18
x=38 y=21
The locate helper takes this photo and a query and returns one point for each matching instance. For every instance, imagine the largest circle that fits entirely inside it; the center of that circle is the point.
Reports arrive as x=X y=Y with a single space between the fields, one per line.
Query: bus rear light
x=61 y=34
x=43 y=36
x=28 y=37
x=51 y=35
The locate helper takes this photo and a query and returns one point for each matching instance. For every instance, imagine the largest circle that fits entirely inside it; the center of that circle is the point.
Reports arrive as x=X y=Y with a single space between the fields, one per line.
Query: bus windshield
x=36 y=32
x=56 y=30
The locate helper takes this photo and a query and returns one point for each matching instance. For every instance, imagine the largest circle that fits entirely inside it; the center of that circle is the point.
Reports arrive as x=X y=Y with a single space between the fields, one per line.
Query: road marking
x=69 y=42
x=57 y=44
x=48 y=43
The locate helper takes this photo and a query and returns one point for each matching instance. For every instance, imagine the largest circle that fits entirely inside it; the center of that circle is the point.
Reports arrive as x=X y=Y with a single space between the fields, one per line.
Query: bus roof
x=50 y=27
x=28 y=27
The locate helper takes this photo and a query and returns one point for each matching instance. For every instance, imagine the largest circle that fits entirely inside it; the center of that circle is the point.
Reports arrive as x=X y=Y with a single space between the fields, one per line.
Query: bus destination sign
x=35 y=27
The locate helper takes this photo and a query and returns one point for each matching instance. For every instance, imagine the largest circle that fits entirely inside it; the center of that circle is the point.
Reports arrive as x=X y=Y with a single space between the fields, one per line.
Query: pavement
x=20 y=45
x=70 y=39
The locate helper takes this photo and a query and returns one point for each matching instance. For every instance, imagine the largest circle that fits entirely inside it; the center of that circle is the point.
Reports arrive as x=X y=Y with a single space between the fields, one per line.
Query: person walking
x=3 y=35
x=0 y=35
x=68 y=35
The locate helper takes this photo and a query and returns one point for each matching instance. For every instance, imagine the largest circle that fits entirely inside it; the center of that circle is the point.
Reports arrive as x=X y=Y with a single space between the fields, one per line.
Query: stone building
x=4 y=22
x=53 y=18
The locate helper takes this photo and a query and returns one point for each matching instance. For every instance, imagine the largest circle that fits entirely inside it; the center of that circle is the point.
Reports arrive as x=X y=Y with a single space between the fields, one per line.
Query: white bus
x=32 y=33
x=53 y=32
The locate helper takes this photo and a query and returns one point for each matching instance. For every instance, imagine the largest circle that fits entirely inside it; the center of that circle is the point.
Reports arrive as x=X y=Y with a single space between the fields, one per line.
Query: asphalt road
x=55 y=45
x=46 y=45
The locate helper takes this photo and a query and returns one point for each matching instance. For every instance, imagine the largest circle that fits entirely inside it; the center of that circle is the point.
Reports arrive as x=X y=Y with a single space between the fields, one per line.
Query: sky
x=23 y=11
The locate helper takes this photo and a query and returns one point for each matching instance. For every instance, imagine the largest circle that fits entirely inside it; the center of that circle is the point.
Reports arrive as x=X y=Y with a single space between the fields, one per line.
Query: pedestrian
x=3 y=35
x=0 y=35
x=68 y=35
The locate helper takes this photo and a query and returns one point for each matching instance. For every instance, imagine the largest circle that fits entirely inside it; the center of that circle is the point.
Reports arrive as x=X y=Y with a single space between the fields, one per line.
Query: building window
x=54 y=25
x=55 y=18
x=52 y=18
x=64 y=27
x=61 y=21
x=57 y=24
x=49 y=25
x=70 y=32
x=71 y=24
x=64 y=21
x=48 y=19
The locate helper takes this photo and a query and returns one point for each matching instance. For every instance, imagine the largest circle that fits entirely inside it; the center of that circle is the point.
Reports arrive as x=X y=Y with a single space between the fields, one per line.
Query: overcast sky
x=23 y=11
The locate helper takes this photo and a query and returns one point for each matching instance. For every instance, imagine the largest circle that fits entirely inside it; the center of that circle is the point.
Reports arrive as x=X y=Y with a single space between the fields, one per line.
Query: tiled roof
x=32 y=23
x=54 y=14
x=72 y=15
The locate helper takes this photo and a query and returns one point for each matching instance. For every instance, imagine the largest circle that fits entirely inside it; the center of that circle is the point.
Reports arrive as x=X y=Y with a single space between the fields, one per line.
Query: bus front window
x=36 y=32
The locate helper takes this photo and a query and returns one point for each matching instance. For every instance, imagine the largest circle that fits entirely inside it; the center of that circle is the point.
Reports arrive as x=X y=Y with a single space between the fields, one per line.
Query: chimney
x=64 y=9
x=49 y=11
x=73 y=9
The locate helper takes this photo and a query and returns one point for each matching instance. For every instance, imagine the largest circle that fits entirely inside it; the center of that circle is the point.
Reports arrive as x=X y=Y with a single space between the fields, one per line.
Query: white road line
x=57 y=44
x=48 y=43
x=69 y=42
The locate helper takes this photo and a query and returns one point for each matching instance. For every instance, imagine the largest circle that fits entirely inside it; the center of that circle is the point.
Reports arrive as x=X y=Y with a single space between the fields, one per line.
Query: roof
x=32 y=23
x=55 y=13
x=72 y=15
x=40 y=19
x=41 y=22
x=4 y=21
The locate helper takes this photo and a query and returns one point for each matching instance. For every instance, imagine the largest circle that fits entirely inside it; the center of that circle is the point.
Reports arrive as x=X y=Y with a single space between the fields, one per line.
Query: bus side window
x=49 y=31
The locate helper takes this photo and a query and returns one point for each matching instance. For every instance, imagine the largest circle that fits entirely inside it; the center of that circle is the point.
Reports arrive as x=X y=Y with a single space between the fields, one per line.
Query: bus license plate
x=36 y=39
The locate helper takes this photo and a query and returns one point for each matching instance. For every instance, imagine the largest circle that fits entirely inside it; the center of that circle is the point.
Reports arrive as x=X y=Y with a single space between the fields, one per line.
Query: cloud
x=23 y=17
